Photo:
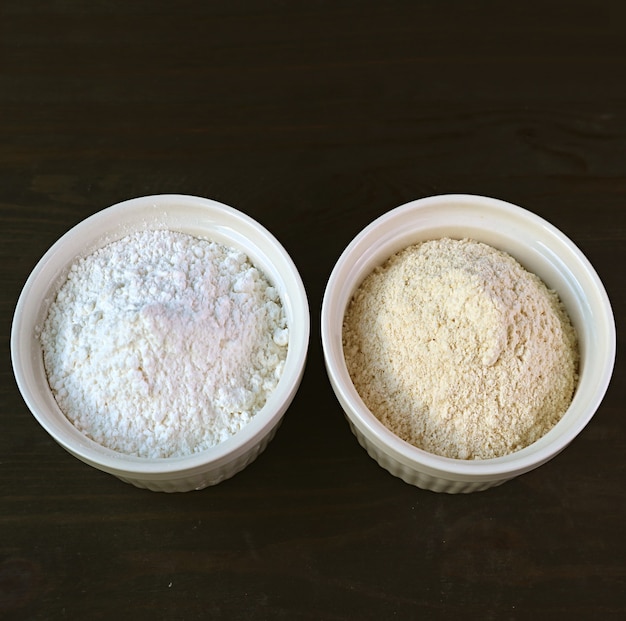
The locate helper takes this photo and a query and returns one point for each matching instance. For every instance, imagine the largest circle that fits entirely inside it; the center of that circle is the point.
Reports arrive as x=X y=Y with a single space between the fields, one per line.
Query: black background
x=314 y=118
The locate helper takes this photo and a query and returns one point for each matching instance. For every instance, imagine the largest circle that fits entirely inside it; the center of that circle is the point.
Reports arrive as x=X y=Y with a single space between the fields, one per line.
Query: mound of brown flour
x=459 y=350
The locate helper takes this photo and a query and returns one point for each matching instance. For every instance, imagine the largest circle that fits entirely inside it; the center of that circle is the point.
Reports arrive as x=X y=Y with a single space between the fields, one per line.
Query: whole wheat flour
x=162 y=344
x=459 y=350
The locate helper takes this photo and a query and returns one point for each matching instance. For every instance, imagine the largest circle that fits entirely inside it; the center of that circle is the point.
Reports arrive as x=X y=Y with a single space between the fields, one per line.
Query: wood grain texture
x=313 y=118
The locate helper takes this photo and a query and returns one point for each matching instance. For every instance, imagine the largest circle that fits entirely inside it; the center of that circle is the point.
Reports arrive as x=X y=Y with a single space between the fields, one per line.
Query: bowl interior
x=540 y=248
x=187 y=214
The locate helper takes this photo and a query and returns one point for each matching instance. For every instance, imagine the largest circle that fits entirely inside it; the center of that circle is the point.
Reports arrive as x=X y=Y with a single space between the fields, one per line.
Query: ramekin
x=188 y=214
x=541 y=248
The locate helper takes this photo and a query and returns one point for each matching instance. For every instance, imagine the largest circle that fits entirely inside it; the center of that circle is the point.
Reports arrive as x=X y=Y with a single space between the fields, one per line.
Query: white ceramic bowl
x=188 y=214
x=539 y=247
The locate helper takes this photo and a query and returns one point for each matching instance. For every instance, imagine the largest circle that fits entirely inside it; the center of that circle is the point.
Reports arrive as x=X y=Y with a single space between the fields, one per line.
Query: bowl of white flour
x=467 y=340
x=162 y=340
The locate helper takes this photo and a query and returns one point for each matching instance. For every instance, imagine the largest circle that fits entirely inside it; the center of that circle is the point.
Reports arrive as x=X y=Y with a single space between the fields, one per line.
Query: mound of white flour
x=460 y=351
x=162 y=344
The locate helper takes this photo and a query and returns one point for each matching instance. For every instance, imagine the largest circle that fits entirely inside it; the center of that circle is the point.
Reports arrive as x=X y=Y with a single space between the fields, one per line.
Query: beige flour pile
x=459 y=350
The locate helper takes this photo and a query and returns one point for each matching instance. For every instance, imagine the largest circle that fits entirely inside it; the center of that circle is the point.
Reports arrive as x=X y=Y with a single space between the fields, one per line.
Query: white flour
x=460 y=351
x=162 y=344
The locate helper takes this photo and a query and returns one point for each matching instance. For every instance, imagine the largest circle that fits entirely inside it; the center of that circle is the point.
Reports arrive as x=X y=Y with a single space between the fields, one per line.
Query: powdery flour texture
x=162 y=344
x=459 y=350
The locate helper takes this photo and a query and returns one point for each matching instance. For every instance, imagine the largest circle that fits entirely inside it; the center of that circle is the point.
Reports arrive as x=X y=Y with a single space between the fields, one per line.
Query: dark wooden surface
x=314 y=118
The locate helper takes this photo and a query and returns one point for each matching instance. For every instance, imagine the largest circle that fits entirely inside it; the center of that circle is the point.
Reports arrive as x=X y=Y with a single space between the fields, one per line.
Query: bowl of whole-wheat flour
x=467 y=340
x=162 y=340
